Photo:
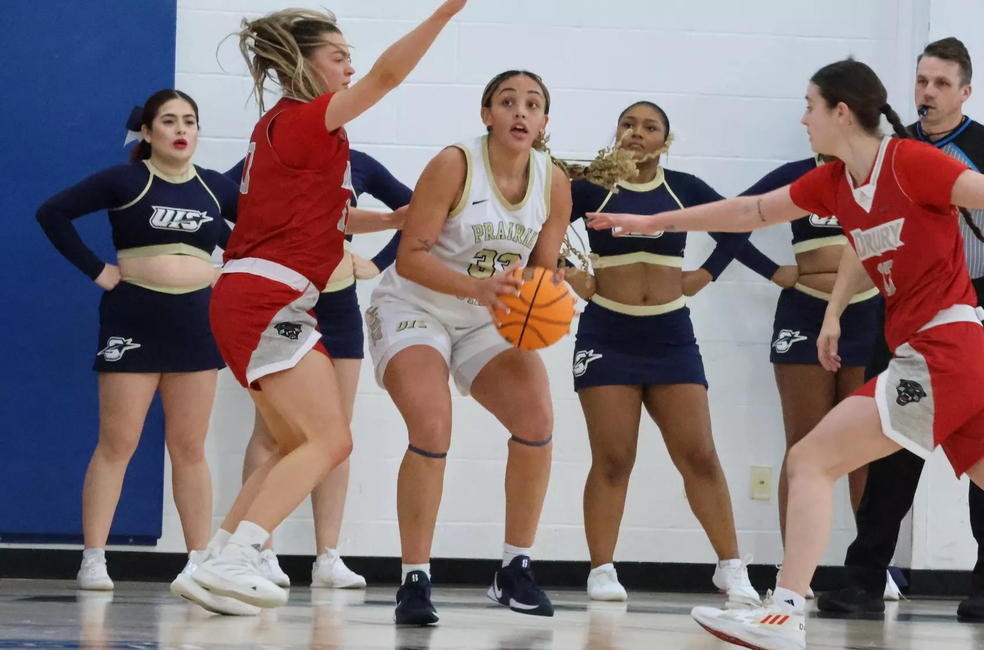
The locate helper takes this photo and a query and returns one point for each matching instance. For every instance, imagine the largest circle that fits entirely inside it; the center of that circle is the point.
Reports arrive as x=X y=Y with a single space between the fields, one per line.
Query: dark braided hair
x=855 y=84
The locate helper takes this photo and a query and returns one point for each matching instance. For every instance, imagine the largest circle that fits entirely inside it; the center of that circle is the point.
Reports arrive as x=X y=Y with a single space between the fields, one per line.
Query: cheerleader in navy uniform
x=167 y=217
x=340 y=322
x=636 y=348
x=808 y=391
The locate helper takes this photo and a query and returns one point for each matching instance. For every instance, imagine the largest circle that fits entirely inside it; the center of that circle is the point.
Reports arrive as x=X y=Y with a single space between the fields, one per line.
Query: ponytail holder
x=133 y=125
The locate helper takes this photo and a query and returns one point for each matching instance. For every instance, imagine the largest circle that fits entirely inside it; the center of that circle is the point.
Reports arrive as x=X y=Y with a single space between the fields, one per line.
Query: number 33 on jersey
x=484 y=234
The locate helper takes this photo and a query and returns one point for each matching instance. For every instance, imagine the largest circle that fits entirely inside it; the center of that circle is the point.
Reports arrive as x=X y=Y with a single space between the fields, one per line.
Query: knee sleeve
x=426 y=454
x=541 y=443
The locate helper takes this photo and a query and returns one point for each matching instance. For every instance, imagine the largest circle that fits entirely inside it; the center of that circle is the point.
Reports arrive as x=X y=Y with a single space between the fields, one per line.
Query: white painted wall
x=730 y=75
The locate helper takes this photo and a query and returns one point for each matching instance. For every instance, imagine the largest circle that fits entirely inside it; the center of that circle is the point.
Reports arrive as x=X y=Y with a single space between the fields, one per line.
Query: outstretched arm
x=390 y=69
x=741 y=214
x=362 y=221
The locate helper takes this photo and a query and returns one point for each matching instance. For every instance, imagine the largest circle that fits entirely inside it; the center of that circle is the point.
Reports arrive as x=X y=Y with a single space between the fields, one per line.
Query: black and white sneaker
x=513 y=586
x=413 y=601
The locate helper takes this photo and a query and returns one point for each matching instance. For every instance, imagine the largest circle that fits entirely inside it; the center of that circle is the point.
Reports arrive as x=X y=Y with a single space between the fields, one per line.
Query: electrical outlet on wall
x=761 y=483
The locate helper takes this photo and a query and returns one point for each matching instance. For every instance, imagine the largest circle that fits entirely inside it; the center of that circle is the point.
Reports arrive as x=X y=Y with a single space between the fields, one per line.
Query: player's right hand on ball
x=487 y=291
x=109 y=278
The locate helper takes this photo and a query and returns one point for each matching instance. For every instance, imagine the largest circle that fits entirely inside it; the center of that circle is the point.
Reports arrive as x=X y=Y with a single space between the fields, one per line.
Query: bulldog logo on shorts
x=910 y=392
x=289 y=330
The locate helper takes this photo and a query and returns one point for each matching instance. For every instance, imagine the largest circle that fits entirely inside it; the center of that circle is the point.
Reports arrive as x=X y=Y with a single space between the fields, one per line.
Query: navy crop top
x=810 y=232
x=369 y=177
x=670 y=190
x=150 y=213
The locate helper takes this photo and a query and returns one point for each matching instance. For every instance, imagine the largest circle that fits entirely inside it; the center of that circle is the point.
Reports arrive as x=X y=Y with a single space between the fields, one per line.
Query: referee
x=942 y=86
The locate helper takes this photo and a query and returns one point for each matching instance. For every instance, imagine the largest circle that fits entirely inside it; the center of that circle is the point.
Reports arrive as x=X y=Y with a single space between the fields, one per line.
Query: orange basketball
x=542 y=312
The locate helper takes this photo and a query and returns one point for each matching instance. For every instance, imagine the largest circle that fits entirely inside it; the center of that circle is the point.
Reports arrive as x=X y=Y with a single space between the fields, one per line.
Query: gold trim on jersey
x=530 y=182
x=609 y=261
x=658 y=180
x=210 y=193
x=154 y=171
x=174 y=291
x=822 y=295
x=548 y=184
x=466 y=192
x=820 y=242
x=332 y=287
x=163 y=249
x=189 y=174
x=143 y=193
x=639 y=310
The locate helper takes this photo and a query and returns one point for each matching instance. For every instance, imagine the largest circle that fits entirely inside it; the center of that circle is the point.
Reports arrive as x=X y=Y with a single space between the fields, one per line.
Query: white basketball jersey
x=484 y=234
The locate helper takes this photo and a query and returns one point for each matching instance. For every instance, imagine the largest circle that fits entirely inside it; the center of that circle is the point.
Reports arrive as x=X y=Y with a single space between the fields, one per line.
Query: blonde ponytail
x=278 y=46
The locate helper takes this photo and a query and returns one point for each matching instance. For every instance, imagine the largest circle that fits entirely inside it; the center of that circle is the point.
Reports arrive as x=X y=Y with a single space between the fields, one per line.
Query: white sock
x=729 y=564
x=602 y=568
x=330 y=553
x=789 y=598
x=509 y=552
x=249 y=534
x=220 y=539
x=410 y=568
x=94 y=553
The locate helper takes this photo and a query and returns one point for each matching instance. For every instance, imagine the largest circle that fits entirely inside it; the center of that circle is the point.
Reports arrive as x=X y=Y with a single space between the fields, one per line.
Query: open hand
x=363 y=269
x=487 y=291
x=827 y=345
x=453 y=6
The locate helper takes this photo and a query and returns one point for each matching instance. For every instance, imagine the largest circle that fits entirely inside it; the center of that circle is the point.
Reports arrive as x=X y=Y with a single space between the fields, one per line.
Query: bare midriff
x=639 y=284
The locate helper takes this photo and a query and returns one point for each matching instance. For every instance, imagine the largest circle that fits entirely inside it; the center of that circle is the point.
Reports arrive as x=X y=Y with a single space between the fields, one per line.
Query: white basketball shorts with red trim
x=931 y=394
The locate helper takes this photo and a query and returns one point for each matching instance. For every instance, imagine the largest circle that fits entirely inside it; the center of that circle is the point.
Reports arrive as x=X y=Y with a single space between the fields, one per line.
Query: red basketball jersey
x=904 y=228
x=295 y=191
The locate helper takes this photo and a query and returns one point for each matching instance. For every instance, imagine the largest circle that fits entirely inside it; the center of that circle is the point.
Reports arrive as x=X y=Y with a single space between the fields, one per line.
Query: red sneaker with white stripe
x=774 y=626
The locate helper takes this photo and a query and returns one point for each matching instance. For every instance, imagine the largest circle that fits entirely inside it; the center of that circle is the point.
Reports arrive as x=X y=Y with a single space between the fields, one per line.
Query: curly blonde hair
x=278 y=47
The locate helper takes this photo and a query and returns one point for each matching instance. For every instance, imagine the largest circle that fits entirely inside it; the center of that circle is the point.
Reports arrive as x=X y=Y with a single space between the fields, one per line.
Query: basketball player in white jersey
x=479 y=208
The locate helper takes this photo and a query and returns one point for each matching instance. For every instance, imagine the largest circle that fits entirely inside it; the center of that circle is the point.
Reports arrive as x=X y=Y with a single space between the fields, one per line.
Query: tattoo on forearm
x=671 y=228
x=758 y=204
x=424 y=245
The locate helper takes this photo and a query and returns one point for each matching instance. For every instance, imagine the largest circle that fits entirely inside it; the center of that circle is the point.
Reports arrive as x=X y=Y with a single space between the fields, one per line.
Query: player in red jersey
x=289 y=238
x=895 y=199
